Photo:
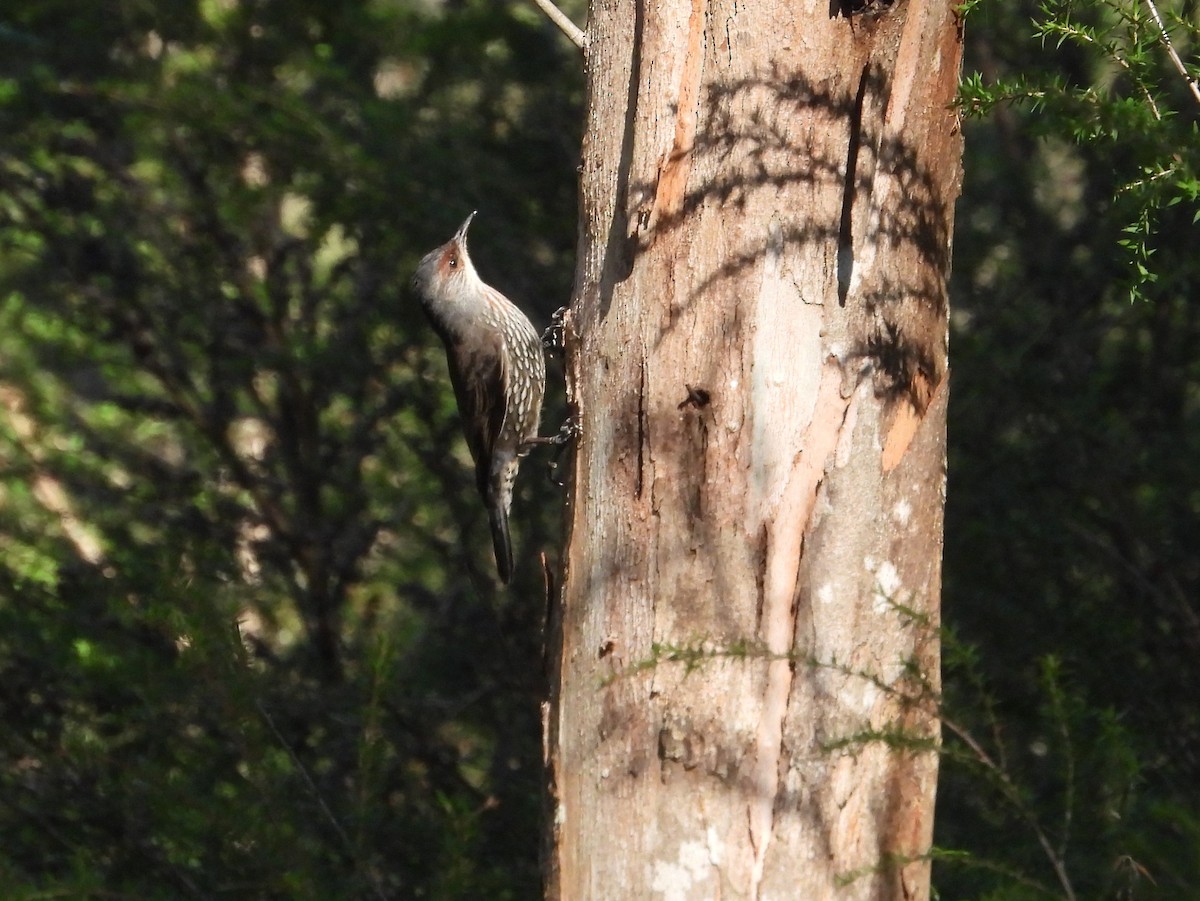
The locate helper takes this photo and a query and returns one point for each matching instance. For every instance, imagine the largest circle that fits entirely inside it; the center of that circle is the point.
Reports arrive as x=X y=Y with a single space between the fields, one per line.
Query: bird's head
x=446 y=270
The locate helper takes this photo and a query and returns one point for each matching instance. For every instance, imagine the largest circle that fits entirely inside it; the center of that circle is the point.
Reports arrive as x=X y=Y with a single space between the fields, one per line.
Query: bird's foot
x=567 y=434
x=554 y=336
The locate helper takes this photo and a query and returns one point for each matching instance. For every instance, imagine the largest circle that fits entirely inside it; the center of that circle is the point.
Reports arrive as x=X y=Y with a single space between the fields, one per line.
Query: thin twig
x=316 y=793
x=1014 y=797
x=1166 y=41
x=565 y=25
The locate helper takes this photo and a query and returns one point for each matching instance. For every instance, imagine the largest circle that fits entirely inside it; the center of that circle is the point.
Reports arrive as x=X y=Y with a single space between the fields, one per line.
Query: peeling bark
x=745 y=652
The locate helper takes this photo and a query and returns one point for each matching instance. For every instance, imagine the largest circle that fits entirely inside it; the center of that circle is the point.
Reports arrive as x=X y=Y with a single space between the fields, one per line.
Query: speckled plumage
x=497 y=369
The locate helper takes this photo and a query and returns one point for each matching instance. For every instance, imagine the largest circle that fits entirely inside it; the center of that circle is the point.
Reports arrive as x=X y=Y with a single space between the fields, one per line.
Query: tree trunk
x=746 y=661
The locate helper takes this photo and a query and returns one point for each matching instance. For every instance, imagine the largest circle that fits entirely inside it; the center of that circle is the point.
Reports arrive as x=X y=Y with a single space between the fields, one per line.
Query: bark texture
x=750 y=590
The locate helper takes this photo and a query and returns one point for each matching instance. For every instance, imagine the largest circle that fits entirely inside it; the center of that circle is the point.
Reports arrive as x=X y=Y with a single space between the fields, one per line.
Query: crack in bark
x=620 y=245
x=845 y=252
x=640 y=483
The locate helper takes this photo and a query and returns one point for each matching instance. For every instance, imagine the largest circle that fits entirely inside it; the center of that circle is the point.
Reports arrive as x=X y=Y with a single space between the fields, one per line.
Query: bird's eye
x=453 y=261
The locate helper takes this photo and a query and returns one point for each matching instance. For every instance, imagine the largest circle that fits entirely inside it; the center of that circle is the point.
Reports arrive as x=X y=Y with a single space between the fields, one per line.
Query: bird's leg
x=567 y=434
x=569 y=431
x=552 y=337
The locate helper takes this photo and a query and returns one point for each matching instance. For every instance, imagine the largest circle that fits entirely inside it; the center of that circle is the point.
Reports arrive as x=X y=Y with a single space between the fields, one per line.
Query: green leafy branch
x=1126 y=109
x=914 y=689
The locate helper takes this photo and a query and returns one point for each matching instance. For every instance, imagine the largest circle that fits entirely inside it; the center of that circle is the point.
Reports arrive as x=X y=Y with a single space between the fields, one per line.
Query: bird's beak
x=461 y=234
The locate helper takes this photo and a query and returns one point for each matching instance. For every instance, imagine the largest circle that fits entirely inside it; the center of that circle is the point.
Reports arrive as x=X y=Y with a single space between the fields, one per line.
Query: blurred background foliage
x=250 y=639
x=1072 y=561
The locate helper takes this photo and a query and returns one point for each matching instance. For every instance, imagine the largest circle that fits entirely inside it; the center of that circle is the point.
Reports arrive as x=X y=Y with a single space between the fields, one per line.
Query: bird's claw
x=554 y=336
x=567 y=434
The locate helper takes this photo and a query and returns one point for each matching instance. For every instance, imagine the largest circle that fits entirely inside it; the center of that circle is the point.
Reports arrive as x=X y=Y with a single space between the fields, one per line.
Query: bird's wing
x=478 y=374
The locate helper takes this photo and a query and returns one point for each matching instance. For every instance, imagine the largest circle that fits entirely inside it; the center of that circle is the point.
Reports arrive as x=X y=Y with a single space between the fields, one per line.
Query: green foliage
x=1070 y=571
x=1067 y=804
x=249 y=639
x=1118 y=90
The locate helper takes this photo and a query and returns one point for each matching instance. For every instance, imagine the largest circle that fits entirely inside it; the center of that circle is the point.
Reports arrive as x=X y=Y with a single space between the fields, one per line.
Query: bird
x=498 y=370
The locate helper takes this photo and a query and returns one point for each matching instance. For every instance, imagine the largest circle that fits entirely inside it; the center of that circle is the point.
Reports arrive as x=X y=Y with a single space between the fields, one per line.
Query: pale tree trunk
x=746 y=665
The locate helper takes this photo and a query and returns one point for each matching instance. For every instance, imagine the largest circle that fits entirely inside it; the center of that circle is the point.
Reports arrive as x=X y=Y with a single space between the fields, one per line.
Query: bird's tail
x=499 y=500
x=501 y=541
